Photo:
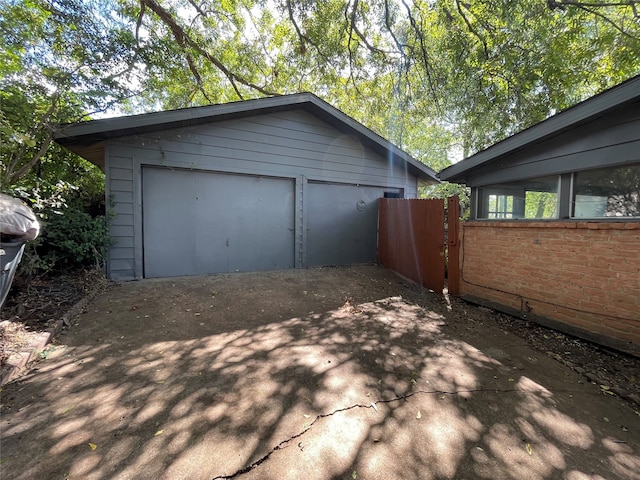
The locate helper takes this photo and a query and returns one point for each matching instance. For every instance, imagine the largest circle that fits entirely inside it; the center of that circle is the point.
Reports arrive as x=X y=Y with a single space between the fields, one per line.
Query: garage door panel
x=342 y=224
x=168 y=220
x=268 y=244
x=218 y=222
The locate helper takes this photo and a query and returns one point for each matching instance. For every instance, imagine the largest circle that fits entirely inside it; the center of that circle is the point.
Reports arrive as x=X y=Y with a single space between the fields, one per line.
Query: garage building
x=272 y=183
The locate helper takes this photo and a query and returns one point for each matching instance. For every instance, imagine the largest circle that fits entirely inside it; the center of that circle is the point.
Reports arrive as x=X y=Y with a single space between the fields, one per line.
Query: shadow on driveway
x=318 y=374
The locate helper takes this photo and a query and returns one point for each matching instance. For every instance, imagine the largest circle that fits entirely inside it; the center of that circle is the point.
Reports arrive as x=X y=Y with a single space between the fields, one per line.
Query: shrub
x=73 y=239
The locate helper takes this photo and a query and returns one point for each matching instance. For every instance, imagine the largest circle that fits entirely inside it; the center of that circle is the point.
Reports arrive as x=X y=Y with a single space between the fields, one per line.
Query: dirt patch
x=32 y=309
x=614 y=370
x=38 y=306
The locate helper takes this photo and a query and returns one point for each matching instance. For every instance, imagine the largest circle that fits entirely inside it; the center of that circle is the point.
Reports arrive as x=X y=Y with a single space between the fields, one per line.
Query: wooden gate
x=411 y=239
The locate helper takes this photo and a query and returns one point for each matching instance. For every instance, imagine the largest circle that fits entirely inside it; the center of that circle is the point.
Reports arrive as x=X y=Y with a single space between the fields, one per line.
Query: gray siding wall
x=607 y=141
x=293 y=144
x=119 y=177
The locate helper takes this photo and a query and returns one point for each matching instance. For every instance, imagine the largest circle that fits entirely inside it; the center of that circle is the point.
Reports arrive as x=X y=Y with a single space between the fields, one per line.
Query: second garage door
x=343 y=223
x=201 y=222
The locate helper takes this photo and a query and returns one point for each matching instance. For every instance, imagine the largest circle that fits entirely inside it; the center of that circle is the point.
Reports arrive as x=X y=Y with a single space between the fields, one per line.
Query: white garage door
x=201 y=222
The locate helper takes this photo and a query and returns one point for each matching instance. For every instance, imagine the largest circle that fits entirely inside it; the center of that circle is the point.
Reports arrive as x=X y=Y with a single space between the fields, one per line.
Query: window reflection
x=535 y=198
x=607 y=192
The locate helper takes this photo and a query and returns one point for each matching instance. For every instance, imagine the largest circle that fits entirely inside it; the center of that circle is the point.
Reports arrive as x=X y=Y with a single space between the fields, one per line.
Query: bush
x=73 y=239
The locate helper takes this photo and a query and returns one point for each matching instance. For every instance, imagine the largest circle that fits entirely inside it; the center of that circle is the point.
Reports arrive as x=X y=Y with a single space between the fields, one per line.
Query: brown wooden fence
x=411 y=240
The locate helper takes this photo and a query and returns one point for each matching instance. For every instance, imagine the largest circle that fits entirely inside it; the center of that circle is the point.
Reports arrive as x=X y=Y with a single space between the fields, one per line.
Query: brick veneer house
x=554 y=234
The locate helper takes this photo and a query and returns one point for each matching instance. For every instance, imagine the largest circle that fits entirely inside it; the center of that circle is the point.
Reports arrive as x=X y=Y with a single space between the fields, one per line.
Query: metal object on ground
x=18 y=225
x=10 y=256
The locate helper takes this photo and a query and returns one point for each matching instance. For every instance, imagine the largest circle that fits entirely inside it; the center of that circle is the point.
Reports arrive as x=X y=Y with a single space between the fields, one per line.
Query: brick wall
x=582 y=277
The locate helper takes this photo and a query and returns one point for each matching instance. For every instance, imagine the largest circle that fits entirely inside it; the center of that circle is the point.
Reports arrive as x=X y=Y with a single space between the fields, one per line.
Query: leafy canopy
x=439 y=78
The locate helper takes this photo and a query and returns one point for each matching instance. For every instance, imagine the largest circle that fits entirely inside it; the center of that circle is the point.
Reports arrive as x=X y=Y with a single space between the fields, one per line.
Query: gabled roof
x=87 y=138
x=625 y=93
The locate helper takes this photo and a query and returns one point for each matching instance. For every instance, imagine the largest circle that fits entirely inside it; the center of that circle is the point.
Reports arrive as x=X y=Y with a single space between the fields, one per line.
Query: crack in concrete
x=284 y=444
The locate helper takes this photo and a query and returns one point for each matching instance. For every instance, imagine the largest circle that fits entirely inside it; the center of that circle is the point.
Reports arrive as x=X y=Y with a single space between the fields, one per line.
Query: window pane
x=531 y=198
x=500 y=206
x=607 y=192
x=541 y=205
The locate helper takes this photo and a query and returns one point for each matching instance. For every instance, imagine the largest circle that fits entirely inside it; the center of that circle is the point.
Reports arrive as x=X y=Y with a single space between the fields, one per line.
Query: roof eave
x=107 y=128
x=87 y=136
x=573 y=116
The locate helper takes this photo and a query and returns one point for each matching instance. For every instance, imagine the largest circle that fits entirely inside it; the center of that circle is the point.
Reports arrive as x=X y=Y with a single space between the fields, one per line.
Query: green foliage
x=62 y=59
x=74 y=228
x=435 y=77
x=541 y=205
x=74 y=239
x=445 y=190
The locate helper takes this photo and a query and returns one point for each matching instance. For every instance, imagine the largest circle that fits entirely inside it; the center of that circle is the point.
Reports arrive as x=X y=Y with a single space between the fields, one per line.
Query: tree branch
x=301 y=36
x=183 y=39
x=606 y=19
x=473 y=30
x=11 y=175
x=351 y=18
x=196 y=75
x=387 y=22
x=575 y=3
x=428 y=69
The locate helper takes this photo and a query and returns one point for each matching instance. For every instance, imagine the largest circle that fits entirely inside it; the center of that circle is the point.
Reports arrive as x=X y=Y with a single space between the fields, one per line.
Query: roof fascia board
x=579 y=113
x=99 y=130
x=127 y=125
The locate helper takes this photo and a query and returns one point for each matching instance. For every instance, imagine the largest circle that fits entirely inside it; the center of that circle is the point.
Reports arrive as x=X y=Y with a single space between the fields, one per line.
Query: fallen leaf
x=93 y=446
x=607 y=390
x=419 y=415
x=67 y=411
x=354 y=475
x=159 y=432
x=529 y=450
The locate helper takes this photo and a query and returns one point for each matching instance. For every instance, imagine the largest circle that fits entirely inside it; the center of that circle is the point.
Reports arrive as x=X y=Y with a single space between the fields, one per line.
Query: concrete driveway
x=334 y=373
